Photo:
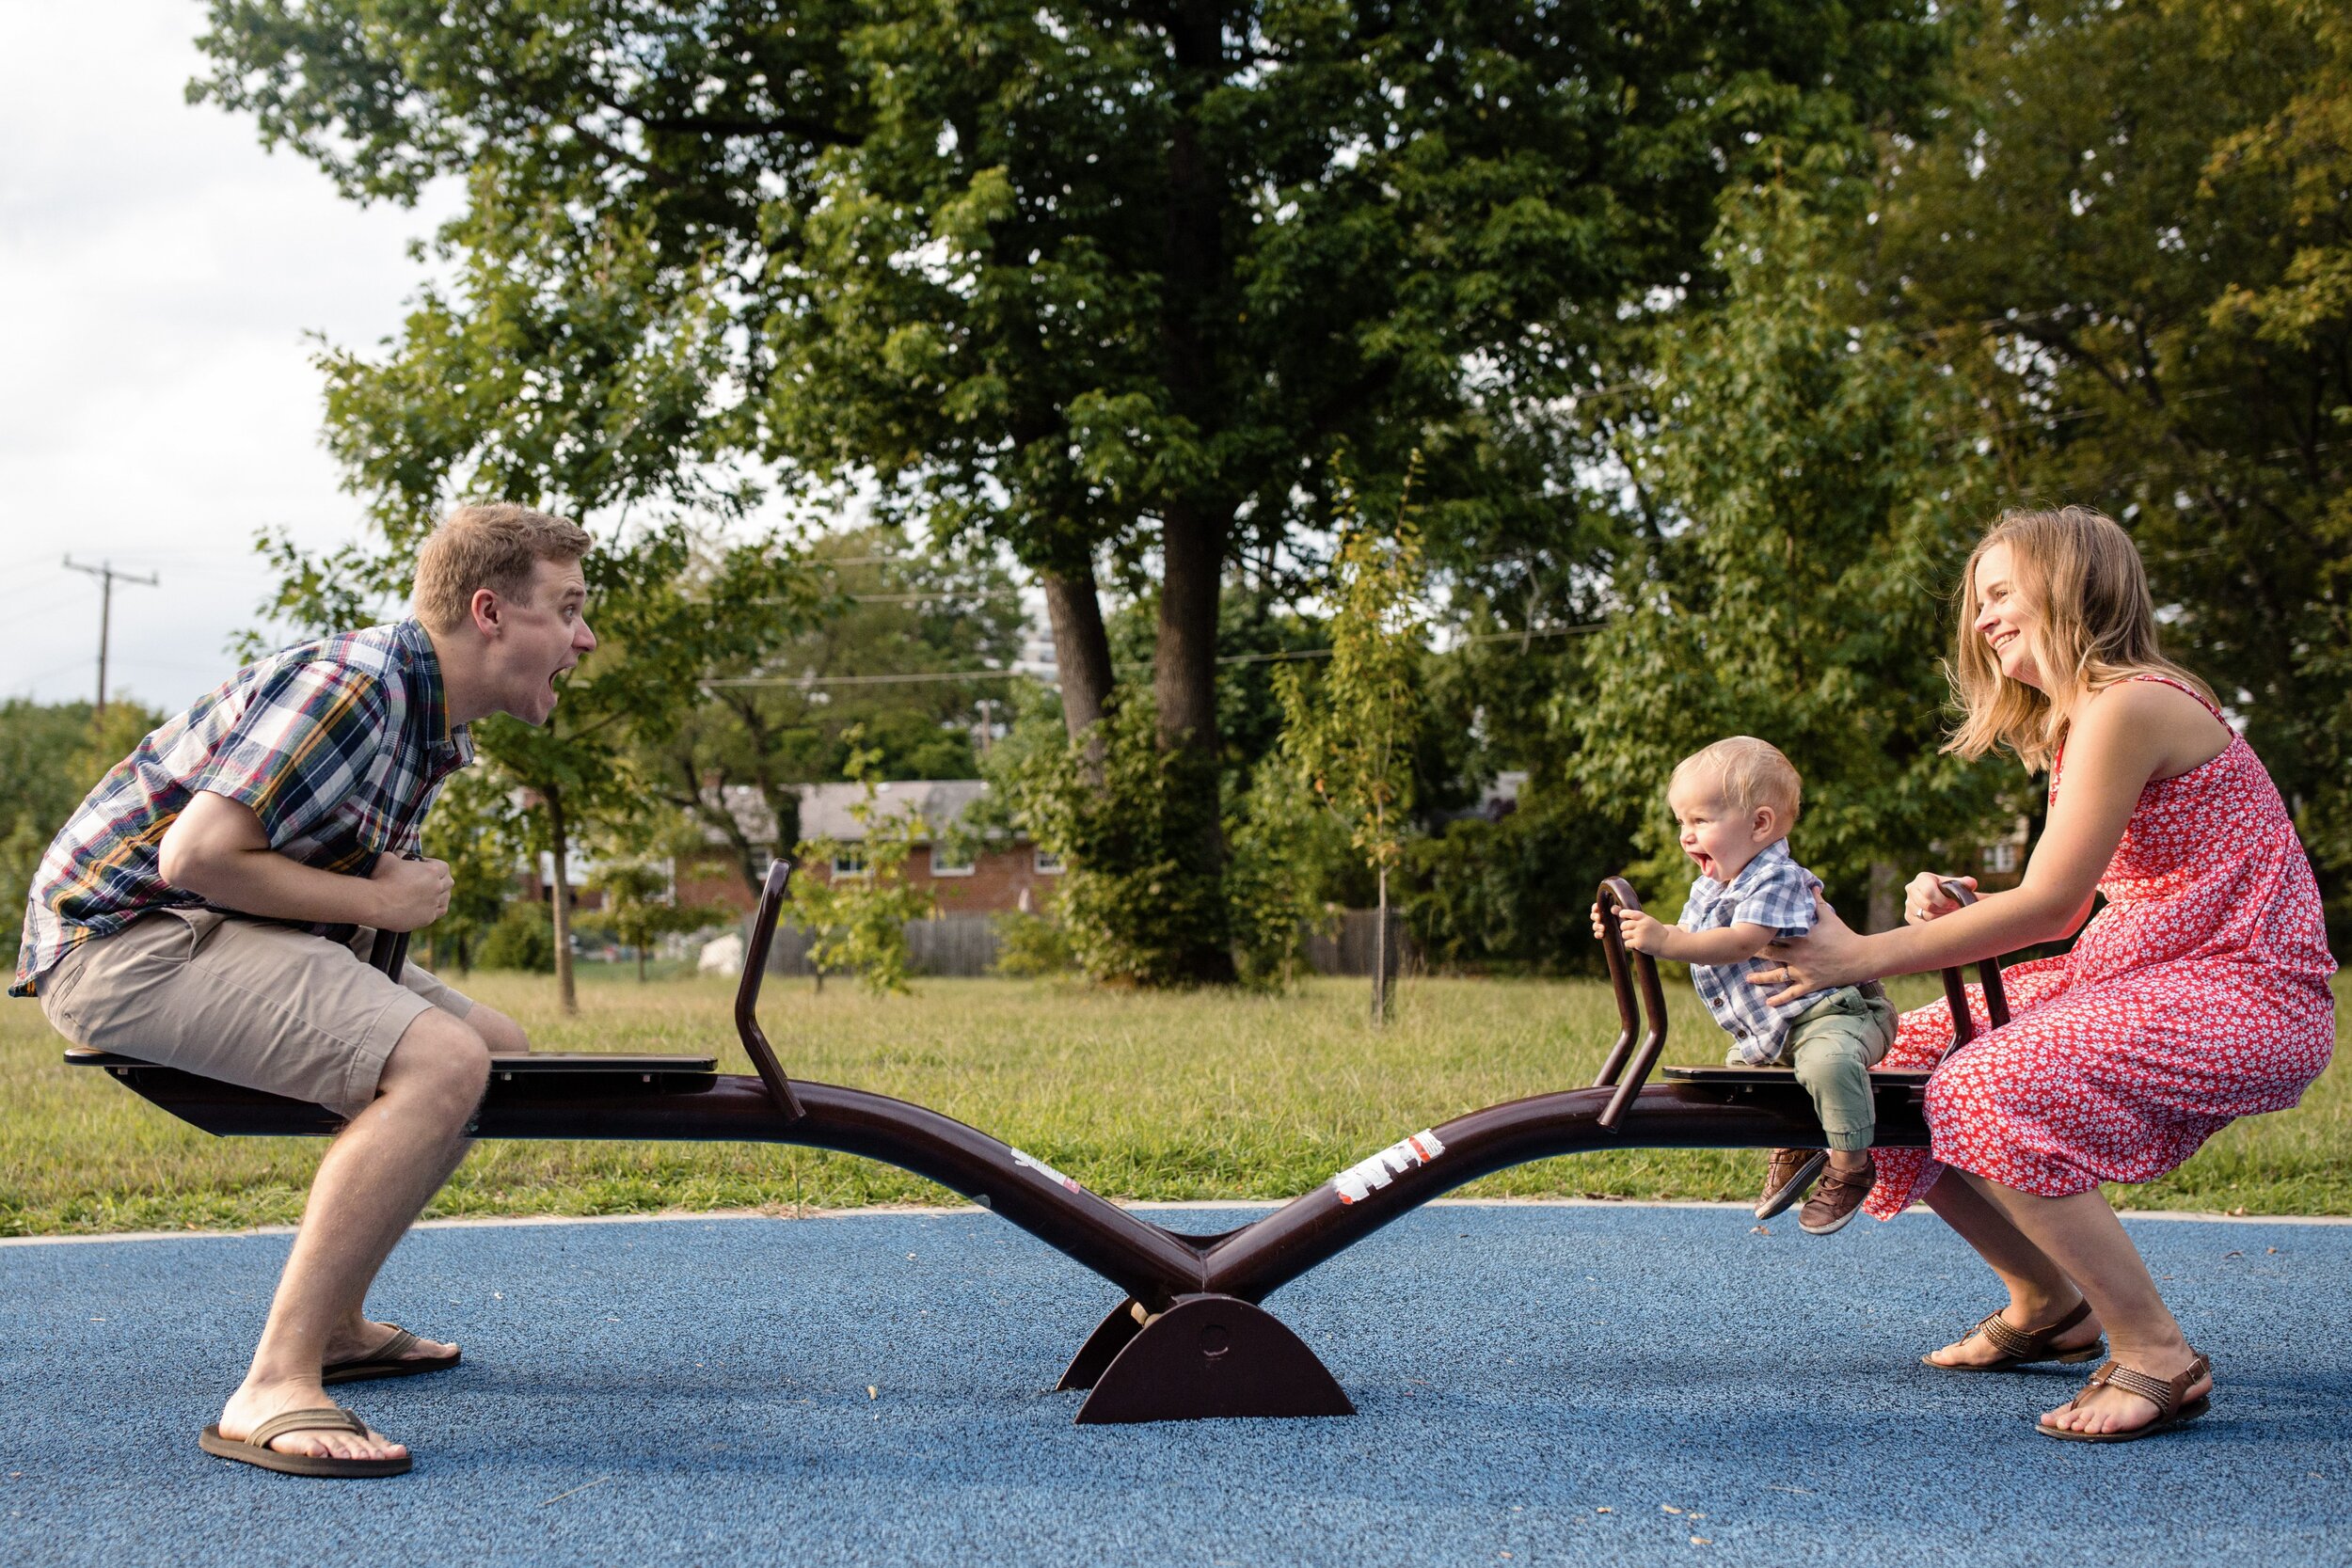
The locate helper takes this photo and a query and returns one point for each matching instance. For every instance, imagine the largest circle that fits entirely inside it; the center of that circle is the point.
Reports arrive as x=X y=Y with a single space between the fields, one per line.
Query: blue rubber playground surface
x=1536 y=1385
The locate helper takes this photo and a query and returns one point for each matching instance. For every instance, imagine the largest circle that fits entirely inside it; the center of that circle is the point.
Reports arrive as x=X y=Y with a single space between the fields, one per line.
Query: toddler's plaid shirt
x=339 y=747
x=1770 y=889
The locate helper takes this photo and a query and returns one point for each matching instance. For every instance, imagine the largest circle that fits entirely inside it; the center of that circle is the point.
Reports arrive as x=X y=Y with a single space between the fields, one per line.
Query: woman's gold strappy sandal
x=2020 y=1347
x=2163 y=1392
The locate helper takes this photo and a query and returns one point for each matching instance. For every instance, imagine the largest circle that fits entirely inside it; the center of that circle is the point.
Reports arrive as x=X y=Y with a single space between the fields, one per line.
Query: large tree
x=1102 y=282
x=2134 y=238
x=1813 y=489
x=563 y=366
x=891 y=622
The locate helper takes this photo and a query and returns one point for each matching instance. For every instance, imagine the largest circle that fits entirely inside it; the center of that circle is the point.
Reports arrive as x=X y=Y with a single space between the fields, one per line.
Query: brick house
x=996 y=873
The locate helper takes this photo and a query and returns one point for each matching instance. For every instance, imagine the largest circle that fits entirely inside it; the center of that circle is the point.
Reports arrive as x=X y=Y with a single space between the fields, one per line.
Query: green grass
x=1137 y=1095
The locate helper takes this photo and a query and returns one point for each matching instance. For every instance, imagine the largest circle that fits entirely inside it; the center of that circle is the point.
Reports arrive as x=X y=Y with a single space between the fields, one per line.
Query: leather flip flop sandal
x=2021 y=1347
x=2163 y=1392
x=254 y=1449
x=388 y=1359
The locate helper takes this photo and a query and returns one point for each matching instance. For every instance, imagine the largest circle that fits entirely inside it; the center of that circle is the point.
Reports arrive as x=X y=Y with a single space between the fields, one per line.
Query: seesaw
x=1191 y=1340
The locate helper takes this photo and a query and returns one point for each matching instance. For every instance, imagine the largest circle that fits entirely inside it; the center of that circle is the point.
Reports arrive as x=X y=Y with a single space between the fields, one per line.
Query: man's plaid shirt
x=339 y=747
x=1770 y=889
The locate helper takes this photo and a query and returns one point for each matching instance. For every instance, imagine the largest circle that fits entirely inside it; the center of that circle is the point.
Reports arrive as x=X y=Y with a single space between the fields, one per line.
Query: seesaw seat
x=1759 y=1076
x=539 y=1067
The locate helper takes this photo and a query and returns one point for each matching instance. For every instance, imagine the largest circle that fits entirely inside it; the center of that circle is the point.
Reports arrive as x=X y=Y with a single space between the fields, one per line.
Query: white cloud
x=159 y=274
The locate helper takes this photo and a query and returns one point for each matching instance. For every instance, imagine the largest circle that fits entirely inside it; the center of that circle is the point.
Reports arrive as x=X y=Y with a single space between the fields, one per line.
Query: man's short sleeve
x=1782 y=900
x=302 y=747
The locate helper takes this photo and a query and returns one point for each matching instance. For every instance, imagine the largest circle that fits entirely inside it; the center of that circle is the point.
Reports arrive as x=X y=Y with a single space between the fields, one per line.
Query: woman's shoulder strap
x=2179 y=685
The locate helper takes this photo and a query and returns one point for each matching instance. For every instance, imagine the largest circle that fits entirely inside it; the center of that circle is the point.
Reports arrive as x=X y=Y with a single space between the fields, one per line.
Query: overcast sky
x=159 y=276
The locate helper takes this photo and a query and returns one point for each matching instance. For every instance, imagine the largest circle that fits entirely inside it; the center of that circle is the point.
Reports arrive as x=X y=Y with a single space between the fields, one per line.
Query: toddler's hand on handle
x=1642 y=933
x=1925 y=899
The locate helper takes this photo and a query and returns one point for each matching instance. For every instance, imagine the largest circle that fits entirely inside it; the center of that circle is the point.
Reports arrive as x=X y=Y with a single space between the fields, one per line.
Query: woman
x=2197 y=995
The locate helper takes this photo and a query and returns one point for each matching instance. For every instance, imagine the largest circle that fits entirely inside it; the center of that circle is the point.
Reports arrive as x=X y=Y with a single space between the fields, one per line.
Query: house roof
x=825 y=807
x=939 y=802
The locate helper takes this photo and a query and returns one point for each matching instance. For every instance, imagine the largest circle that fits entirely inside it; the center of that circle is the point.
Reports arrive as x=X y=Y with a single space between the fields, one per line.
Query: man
x=208 y=906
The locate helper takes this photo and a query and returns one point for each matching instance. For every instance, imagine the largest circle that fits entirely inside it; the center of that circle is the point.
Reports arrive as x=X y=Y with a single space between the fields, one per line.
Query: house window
x=2000 y=859
x=952 y=860
x=849 y=861
x=761 y=859
x=1047 y=864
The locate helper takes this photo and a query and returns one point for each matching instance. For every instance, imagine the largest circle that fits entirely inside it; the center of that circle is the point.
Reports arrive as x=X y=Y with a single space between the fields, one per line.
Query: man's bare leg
x=2040 y=1292
x=377 y=1177
x=362 y=1334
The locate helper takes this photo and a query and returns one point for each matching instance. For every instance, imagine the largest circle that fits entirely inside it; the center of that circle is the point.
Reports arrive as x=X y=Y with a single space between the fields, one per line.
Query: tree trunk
x=562 y=904
x=1082 y=651
x=1886 y=896
x=1196 y=522
x=1383 y=959
x=1183 y=689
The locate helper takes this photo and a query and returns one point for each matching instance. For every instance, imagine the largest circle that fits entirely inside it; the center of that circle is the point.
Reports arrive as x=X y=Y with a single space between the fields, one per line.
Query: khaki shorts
x=267 y=1007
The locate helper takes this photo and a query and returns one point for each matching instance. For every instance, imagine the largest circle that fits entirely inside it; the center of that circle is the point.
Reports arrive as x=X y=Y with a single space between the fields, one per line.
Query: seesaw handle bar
x=1628 y=1064
x=390 y=951
x=747 y=993
x=1956 y=982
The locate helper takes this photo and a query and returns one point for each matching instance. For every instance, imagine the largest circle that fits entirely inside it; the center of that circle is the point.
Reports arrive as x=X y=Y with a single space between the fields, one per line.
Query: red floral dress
x=2197 y=995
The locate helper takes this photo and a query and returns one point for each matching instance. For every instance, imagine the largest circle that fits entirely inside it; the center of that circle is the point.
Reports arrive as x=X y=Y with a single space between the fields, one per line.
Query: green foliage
x=1349 y=738
x=477 y=830
x=49 y=760
x=1286 y=849
x=1088 y=281
x=857 y=922
x=1125 y=815
x=636 y=877
x=569 y=367
x=1815 y=497
x=1031 y=946
x=522 y=937
x=886 y=609
x=1510 y=895
x=2134 y=246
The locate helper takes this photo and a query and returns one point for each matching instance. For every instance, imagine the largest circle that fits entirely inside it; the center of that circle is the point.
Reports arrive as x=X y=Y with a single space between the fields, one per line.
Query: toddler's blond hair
x=1753 y=774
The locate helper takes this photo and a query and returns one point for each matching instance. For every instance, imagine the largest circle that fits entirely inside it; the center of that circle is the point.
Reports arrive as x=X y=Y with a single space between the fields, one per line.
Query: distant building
x=994 y=872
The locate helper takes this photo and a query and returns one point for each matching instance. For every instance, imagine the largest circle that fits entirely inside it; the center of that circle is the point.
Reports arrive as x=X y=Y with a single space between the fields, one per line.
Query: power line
x=806 y=682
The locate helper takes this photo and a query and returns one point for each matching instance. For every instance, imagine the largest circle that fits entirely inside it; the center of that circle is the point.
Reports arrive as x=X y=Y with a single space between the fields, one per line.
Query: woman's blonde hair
x=2094 y=625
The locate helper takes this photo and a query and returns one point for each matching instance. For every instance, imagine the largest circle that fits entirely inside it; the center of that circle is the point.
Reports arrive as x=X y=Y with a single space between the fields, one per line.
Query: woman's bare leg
x=2040 y=1292
x=2081 y=1234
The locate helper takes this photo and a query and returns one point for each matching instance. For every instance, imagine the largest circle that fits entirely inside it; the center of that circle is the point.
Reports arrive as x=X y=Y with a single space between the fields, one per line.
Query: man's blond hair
x=1753 y=774
x=494 y=545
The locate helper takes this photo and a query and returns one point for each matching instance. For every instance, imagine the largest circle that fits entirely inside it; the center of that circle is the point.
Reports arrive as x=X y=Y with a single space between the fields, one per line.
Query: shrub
x=523 y=937
x=1511 y=895
x=1031 y=945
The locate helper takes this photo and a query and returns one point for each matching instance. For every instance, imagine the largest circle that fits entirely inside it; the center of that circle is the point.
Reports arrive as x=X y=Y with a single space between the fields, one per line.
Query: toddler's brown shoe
x=1785 y=1179
x=1835 y=1200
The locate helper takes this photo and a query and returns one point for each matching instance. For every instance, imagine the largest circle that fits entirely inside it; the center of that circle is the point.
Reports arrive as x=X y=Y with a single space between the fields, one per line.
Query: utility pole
x=106 y=577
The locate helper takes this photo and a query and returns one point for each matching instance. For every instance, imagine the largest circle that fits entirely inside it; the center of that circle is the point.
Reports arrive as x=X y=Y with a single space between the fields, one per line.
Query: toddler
x=1735 y=802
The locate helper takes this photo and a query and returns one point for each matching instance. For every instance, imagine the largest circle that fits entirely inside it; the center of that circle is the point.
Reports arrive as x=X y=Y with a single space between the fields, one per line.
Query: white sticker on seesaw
x=1356 y=1181
x=1044 y=1170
